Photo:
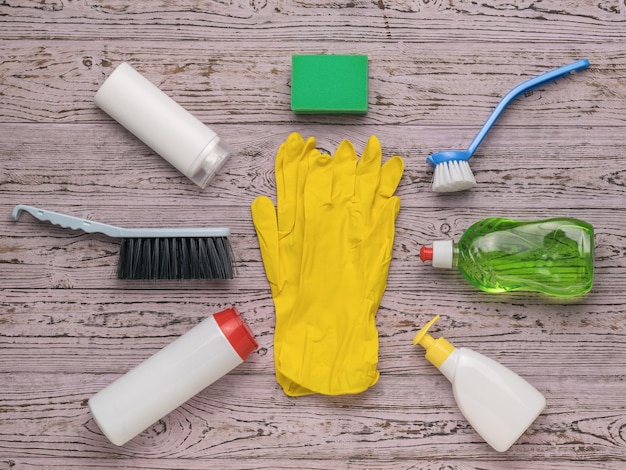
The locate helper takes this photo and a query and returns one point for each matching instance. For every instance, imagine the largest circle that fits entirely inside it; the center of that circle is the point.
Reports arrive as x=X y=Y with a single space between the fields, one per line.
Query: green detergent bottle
x=552 y=256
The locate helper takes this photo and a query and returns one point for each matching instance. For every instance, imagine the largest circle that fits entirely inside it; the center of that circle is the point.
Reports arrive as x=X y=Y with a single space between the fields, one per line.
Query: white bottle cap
x=443 y=251
x=162 y=124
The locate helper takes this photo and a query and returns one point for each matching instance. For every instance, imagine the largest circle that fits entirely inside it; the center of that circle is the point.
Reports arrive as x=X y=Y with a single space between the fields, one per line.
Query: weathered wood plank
x=39 y=254
x=532 y=334
x=228 y=419
x=258 y=20
x=562 y=167
x=243 y=82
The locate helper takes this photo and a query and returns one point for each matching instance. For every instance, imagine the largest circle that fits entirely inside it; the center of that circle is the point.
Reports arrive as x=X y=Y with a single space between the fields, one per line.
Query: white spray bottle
x=498 y=403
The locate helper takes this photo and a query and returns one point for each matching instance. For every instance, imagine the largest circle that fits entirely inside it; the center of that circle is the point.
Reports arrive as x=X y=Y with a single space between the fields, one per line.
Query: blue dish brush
x=451 y=167
x=160 y=253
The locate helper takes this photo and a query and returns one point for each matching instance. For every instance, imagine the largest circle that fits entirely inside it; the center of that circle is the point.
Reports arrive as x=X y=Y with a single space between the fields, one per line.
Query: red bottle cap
x=236 y=331
x=426 y=253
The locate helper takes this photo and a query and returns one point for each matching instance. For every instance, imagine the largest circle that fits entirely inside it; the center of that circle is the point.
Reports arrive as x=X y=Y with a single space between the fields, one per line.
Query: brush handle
x=67 y=221
x=518 y=90
x=76 y=223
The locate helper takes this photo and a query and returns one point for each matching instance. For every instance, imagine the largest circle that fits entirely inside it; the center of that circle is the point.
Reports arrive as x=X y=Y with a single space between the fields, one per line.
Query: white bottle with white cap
x=172 y=376
x=162 y=124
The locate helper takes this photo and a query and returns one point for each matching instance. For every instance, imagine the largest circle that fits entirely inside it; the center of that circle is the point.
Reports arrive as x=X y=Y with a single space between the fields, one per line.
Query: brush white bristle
x=455 y=175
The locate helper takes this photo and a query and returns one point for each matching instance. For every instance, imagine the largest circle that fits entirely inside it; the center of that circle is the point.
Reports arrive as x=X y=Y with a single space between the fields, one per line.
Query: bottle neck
x=455 y=254
x=448 y=367
x=443 y=254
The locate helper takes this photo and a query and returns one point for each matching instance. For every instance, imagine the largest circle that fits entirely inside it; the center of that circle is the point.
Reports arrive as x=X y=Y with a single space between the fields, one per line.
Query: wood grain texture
x=437 y=68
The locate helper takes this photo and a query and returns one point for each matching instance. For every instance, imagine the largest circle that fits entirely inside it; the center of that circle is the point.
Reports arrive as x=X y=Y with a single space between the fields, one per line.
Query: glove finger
x=390 y=176
x=318 y=187
x=291 y=169
x=380 y=239
x=282 y=167
x=344 y=171
x=266 y=226
x=368 y=172
x=294 y=162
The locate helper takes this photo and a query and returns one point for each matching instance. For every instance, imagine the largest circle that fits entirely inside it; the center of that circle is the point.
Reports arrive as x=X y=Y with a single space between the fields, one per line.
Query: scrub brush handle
x=523 y=88
x=76 y=223
x=67 y=221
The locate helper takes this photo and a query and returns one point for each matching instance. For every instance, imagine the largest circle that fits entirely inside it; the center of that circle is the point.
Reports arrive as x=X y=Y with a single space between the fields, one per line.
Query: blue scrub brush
x=452 y=170
x=161 y=253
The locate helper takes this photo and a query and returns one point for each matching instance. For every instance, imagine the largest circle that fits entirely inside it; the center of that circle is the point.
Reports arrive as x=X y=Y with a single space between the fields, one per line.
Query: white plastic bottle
x=172 y=376
x=498 y=403
x=162 y=124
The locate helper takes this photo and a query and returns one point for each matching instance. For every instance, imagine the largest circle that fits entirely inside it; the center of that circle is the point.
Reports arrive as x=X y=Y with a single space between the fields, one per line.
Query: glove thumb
x=266 y=226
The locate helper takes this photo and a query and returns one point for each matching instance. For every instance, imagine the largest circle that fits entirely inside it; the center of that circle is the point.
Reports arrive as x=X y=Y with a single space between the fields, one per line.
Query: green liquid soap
x=552 y=256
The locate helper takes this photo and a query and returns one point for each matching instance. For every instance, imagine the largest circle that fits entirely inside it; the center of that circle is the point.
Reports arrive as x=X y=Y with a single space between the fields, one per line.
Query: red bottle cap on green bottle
x=426 y=253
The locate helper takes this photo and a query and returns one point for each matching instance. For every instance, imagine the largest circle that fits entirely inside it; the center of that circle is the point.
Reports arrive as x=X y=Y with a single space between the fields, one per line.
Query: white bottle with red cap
x=172 y=376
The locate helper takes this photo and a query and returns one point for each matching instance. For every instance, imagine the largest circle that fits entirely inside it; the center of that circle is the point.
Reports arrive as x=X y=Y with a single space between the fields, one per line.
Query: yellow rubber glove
x=280 y=232
x=326 y=339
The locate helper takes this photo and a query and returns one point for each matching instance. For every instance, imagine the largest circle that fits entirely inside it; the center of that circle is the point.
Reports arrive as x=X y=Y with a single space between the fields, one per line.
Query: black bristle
x=185 y=254
x=175 y=258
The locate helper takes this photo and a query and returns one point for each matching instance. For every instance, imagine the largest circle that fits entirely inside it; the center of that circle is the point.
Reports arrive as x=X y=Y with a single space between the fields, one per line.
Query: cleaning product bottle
x=172 y=376
x=552 y=256
x=498 y=403
x=162 y=124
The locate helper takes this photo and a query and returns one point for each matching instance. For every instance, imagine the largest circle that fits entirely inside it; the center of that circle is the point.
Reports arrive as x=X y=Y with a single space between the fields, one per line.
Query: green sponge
x=329 y=84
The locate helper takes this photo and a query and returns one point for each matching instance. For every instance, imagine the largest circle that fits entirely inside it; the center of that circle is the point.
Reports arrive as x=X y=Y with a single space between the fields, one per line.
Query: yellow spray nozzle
x=437 y=350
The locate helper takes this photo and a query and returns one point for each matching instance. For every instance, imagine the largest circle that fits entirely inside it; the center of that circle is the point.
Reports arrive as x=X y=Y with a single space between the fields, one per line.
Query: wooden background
x=437 y=68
